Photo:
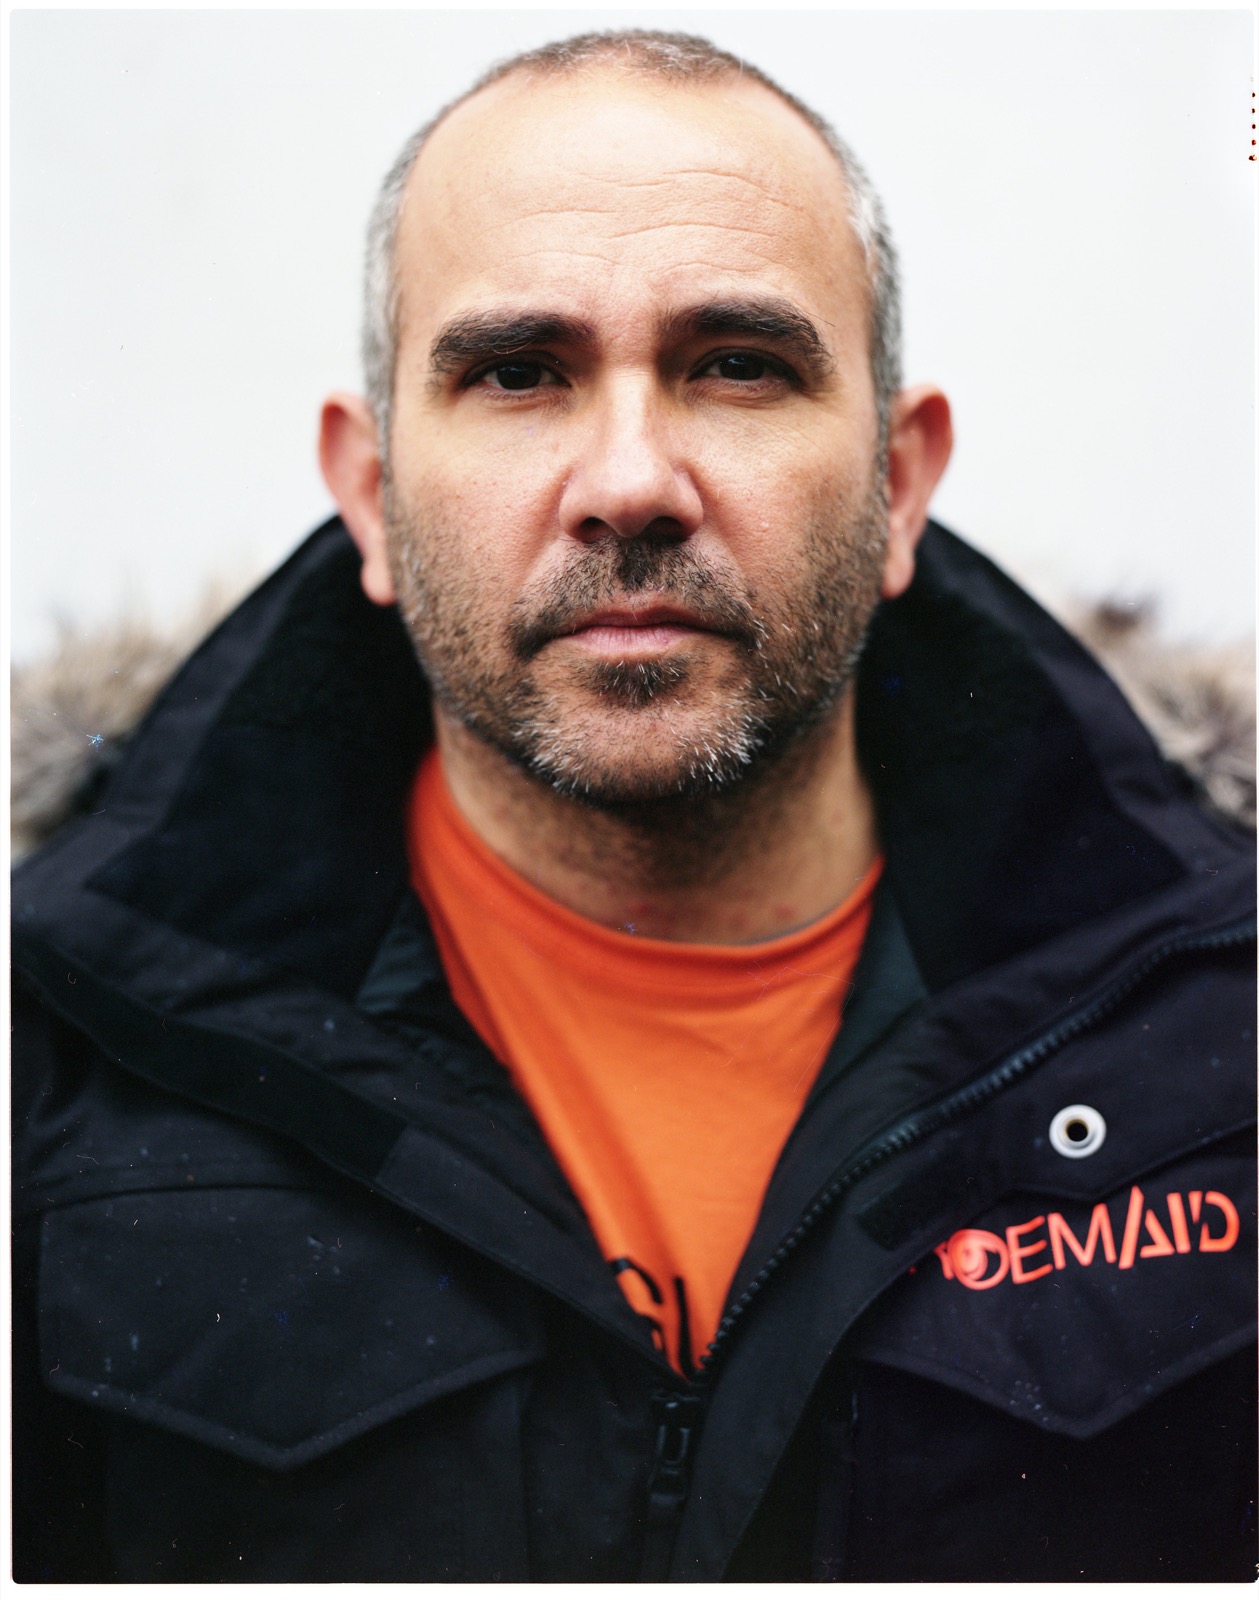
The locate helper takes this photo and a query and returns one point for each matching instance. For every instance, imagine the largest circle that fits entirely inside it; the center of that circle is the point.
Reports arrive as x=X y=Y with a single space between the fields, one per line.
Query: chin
x=626 y=759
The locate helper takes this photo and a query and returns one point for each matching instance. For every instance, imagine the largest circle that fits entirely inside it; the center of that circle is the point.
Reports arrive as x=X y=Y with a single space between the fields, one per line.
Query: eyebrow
x=770 y=318
x=480 y=335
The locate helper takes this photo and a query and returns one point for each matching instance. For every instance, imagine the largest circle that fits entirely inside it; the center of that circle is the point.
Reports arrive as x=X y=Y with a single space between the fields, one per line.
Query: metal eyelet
x=1077 y=1131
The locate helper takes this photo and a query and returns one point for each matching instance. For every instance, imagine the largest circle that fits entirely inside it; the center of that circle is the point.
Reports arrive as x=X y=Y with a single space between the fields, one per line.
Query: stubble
x=636 y=737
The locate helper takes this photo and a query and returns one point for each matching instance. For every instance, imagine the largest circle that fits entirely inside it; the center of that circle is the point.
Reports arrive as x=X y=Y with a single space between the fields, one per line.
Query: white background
x=1071 y=194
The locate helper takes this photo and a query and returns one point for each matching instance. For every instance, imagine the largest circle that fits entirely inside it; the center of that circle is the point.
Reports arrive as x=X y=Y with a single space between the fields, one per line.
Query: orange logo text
x=978 y=1259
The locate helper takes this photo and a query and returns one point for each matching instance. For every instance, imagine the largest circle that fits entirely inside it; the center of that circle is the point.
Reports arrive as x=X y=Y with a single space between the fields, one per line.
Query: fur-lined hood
x=73 y=711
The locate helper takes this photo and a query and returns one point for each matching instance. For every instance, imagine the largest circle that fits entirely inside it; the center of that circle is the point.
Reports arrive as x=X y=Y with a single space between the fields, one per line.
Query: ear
x=920 y=439
x=350 y=458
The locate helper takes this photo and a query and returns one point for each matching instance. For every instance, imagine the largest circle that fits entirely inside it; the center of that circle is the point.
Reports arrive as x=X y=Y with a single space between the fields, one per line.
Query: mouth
x=623 y=631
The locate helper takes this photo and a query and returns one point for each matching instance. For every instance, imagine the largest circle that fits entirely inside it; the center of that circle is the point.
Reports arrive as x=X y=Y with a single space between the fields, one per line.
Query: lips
x=637 y=618
x=583 y=613
x=625 y=631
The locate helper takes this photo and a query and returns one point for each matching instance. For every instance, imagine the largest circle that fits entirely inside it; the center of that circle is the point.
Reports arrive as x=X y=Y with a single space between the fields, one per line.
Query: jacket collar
x=1018 y=795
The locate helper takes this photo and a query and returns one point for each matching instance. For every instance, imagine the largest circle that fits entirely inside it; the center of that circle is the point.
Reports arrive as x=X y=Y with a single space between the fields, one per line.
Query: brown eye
x=517 y=375
x=742 y=367
x=747 y=366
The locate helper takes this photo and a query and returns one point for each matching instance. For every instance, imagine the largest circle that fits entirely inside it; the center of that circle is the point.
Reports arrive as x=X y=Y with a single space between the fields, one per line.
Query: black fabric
x=1075 y=1346
x=260 y=1084
x=406 y=990
x=900 y=1212
x=339 y=739
x=886 y=986
x=1161 y=1497
x=301 y=1293
x=256 y=1375
x=379 y=710
x=1010 y=851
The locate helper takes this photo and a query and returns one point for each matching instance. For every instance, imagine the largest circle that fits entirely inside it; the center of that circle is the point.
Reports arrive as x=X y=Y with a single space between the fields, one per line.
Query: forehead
x=606 y=189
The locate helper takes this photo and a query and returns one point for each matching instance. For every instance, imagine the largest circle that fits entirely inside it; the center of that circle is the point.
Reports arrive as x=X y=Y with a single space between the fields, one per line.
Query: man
x=643 y=1098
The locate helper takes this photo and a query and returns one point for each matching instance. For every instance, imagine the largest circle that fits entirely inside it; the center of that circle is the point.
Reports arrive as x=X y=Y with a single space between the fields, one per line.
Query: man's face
x=634 y=506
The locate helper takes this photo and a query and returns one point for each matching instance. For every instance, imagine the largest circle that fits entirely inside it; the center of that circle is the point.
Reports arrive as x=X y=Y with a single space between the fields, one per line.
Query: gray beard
x=791 y=661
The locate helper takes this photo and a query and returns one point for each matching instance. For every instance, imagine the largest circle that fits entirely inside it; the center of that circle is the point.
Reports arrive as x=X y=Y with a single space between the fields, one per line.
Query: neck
x=773 y=853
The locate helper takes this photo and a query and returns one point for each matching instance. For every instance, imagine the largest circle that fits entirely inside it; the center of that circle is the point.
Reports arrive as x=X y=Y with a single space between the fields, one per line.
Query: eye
x=743 y=366
x=517 y=374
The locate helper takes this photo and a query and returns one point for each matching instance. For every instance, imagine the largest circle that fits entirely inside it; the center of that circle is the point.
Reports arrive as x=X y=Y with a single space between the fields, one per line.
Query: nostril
x=658 y=531
x=665 y=530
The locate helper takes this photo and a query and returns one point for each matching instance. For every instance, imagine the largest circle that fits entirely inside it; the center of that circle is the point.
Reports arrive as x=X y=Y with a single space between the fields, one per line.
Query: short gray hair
x=683 y=57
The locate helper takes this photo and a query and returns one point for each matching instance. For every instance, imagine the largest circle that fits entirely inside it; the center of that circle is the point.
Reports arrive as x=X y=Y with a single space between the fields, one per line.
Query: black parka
x=301 y=1293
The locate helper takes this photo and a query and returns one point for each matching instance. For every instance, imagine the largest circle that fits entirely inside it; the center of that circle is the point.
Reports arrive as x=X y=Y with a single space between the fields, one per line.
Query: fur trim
x=1198 y=702
x=73 y=711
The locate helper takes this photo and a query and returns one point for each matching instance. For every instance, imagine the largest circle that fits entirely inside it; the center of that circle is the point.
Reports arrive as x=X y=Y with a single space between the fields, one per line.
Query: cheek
x=476 y=463
x=488 y=513
x=773 y=508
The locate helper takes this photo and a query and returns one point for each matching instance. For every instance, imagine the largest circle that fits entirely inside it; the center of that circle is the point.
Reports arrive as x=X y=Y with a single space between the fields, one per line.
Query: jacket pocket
x=1073 y=1312
x=299 y=1386
x=1063 y=1389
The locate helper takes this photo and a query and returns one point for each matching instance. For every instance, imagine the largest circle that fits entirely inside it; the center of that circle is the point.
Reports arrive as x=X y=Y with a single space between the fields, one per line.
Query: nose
x=629 y=476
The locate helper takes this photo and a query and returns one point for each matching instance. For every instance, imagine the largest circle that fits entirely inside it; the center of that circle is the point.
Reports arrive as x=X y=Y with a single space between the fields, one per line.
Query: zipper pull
x=677 y=1421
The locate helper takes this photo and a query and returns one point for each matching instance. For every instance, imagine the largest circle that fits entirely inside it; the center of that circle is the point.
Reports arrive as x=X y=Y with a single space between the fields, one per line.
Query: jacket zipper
x=676 y=1416
x=680 y=1414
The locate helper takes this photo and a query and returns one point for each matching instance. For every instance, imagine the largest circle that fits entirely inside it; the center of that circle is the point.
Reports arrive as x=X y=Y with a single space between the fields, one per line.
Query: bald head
x=659 y=62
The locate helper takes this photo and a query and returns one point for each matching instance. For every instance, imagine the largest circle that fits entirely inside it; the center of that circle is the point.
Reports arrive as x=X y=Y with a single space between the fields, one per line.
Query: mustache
x=609 y=572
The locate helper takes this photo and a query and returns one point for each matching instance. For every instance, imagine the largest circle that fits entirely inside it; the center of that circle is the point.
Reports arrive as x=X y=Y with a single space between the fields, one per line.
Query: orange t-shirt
x=666 y=1076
